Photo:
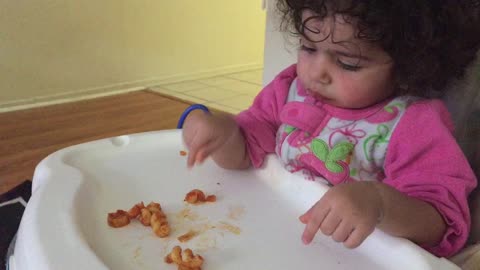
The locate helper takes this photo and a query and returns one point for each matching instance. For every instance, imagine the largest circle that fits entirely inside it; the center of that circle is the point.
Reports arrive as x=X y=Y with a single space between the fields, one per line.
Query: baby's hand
x=347 y=212
x=204 y=134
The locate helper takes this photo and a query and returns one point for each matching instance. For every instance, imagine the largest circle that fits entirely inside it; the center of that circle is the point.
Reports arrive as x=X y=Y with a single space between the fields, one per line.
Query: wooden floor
x=26 y=137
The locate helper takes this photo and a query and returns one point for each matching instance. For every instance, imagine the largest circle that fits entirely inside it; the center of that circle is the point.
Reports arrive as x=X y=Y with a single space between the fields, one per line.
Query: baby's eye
x=348 y=67
x=307 y=49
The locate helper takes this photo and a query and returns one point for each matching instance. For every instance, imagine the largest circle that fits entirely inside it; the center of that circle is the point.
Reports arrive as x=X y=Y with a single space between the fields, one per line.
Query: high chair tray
x=252 y=225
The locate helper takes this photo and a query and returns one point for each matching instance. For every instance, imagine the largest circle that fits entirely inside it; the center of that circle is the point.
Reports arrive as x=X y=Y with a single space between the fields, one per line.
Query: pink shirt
x=423 y=159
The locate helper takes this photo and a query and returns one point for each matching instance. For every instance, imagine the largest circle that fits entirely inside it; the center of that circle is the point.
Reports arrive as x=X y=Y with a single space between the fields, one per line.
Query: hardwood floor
x=28 y=136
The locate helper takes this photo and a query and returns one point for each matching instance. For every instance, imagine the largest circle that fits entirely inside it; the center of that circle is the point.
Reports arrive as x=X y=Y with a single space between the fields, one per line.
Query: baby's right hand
x=204 y=134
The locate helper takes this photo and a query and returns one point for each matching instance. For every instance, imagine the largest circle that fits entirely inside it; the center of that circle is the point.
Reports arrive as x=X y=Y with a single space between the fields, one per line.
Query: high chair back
x=463 y=101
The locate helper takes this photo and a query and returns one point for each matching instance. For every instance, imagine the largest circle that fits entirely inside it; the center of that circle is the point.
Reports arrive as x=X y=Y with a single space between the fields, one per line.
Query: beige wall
x=51 y=48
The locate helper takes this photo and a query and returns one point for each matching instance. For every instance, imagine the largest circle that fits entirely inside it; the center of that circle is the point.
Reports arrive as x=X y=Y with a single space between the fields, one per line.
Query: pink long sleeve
x=424 y=161
x=261 y=121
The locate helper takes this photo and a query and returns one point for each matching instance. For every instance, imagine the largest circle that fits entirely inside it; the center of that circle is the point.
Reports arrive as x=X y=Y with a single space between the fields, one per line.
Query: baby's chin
x=337 y=104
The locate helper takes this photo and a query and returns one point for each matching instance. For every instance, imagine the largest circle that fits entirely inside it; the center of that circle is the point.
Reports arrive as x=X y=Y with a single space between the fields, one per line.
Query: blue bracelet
x=188 y=111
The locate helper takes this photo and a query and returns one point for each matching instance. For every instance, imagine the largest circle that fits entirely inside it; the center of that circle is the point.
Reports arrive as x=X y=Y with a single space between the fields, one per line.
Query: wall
x=53 y=49
x=280 y=47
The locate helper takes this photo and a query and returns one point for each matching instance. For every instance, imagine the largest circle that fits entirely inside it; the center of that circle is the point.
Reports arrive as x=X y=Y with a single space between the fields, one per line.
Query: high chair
x=463 y=101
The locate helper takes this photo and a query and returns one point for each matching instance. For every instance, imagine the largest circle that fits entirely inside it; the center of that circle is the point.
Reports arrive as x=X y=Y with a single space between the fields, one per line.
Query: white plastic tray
x=64 y=225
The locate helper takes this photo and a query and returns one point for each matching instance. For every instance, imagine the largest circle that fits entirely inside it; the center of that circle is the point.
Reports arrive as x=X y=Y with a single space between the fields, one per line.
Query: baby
x=359 y=109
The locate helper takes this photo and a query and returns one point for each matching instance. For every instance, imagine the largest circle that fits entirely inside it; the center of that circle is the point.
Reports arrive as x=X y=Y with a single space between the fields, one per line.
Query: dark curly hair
x=430 y=41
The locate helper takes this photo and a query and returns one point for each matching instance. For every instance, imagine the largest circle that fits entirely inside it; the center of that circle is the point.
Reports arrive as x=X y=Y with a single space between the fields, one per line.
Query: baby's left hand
x=348 y=212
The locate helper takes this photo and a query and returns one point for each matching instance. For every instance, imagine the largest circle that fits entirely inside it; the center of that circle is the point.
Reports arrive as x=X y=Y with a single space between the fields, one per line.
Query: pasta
x=153 y=216
x=159 y=224
x=185 y=260
x=197 y=196
x=118 y=219
x=150 y=215
x=145 y=217
x=185 y=237
x=134 y=212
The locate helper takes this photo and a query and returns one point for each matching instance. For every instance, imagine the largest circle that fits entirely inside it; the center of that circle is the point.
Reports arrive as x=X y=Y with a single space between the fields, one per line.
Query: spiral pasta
x=150 y=215
x=185 y=260
x=197 y=196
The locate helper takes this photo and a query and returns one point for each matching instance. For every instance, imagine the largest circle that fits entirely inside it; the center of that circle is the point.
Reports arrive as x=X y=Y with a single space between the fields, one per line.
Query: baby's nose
x=320 y=72
x=321 y=76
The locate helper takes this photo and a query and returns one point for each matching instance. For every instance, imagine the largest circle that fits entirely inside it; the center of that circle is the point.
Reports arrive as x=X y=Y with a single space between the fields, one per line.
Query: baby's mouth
x=316 y=95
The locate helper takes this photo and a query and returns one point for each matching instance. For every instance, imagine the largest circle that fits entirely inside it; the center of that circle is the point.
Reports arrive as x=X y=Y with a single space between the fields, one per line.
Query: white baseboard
x=114 y=89
x=47 y=100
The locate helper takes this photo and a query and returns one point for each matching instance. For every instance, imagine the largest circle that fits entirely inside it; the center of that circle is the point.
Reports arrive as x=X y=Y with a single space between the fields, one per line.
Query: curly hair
x=430 y=41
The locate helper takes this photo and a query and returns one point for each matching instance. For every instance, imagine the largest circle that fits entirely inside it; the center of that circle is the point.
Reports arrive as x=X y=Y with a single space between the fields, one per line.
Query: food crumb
x=187 y=214
x=206 y=243
x=136 y=253
x=236 y=212
x=187 y=236
x=229 y=227
x=183 y=153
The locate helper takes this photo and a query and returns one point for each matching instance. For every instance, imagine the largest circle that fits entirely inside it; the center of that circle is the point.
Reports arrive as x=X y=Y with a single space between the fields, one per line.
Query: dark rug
x=12 y=205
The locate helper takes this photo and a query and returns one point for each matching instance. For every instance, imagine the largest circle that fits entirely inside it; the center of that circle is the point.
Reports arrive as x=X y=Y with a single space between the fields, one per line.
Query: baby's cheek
x=356 y=93
x=348 y=91
x=301 y=74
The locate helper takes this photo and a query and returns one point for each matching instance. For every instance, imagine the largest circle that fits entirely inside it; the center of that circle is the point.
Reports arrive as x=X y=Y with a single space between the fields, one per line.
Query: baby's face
x=342 y=70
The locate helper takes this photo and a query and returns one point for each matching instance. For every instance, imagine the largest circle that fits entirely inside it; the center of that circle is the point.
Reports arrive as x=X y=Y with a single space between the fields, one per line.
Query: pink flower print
x=349 y=132
x=300 y=139
x=294 y=166
x=308 y=175
x=333 y=125
x=388 y=113
x=367 y=171
x=329 y=162
x=286 y=131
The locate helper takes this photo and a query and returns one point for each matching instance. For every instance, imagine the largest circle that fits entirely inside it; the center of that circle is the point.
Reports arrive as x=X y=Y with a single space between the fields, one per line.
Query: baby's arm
x=215 y=135
x=425 y=163
x=409 y=217
x=350 y=212
x=233 y=154
x=237 y=143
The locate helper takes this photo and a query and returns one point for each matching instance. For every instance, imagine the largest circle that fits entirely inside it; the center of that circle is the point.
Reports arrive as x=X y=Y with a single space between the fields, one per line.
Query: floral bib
x=337 y=144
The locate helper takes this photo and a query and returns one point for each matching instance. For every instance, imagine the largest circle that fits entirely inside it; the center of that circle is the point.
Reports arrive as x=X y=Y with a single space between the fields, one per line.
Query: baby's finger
x=330 y=223
x=343 y=231
x=306 y=216
x=314 y=224
x=202 y=155
x=199 y=158
x=205 y=152
x=198 y=143
x=359 y=234
x=191 y=158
